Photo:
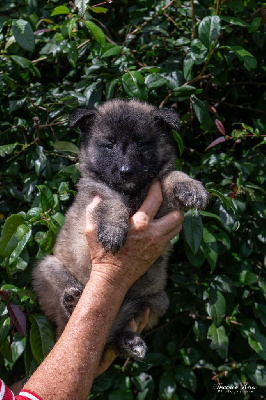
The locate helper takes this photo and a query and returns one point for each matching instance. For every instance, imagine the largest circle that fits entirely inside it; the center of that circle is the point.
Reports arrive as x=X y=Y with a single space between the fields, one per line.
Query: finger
x=152 y=203
x=89 y=214
x=173 y=233
x=138 y=327
x=108 y=357
x=169 y=222
x=144 y=319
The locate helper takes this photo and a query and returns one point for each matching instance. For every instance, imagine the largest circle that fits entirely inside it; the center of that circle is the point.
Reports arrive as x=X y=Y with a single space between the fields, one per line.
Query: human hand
x=147 y=238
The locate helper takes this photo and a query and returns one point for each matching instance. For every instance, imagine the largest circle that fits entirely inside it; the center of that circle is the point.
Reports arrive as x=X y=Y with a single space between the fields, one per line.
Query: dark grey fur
x=125 y=146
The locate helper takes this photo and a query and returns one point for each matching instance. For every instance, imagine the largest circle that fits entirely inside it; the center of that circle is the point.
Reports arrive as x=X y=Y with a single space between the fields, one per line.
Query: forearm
x=69 y=368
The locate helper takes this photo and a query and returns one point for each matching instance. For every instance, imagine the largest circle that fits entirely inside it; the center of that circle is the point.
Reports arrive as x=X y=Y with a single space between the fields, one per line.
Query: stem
x=198 y=78
x=218 y=7
x=194 y=32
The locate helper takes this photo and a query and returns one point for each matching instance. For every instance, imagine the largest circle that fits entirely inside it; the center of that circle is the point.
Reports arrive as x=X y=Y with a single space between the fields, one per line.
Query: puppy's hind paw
x=131 y=345
x=70 y=298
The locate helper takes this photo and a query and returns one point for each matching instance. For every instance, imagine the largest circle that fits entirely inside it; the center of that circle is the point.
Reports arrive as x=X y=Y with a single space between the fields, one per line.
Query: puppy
x=125 y=145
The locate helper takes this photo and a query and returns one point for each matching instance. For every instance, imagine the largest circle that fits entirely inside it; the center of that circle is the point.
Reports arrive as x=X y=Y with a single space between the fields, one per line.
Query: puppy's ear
x=167 y=118
x=83 y=117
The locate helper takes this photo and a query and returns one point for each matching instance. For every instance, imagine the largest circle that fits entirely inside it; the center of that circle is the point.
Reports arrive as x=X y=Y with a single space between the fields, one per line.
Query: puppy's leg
x=181 y=191
x=126 y=342
x=57 y=290
x=112 y=224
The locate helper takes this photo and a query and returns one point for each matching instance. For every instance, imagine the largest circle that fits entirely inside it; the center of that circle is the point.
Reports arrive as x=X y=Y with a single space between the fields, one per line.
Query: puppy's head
x=125 y=143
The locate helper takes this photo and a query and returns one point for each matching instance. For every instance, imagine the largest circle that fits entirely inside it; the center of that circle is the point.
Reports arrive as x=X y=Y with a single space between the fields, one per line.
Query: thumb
x=90 y=223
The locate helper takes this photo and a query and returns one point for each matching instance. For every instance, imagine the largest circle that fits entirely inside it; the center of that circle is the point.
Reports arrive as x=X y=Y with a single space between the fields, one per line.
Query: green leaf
x=110 y=88
x=113 y=51
x=217 y=306
x=210 y=215
x=66 y=146
x=209 y=248
x=70 y=27
x=133 y=83
x=209 y=30
x=93 y=93
x=97 y=32
x=186 y=378
x=57 y=221
x=82 y=6
x=23 y=34
x=167 y=385
x=235 y=21
x=4 y=328
x=60 y=10
x=195 y=259
x=99 y=10
x=47 y=198
x=227 y=202
x=3 y=20
x=187 y=66
x=198 y=51
x=248 y=277
x=29 y=361
x=223 y=283
x=219 y=340
x=245 y=56
x=18 y=346
x=9 y=240
x=257 y=342
x=155 y=80
x=262 y=314
x=184 y=91
x=23 y=62
x=257 y=373
x=255 y=25
x=228 y=217
x=179 y=141
x=23 y=235
x=202 y=113
x=7 y=149
x=42 y=337
x=193 y=229
x=155 y=359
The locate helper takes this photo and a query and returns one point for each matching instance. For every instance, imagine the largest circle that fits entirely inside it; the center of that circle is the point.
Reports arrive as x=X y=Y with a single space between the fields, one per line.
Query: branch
x=235 y=105
x=194 y=31
x=170 y=94
x=218 y=7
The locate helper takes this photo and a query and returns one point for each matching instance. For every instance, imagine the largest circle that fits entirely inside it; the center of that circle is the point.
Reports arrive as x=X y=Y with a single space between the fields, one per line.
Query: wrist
x=110 y=278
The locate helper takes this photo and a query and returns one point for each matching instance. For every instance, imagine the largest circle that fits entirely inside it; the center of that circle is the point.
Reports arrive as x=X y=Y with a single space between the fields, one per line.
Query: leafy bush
x=206 y=60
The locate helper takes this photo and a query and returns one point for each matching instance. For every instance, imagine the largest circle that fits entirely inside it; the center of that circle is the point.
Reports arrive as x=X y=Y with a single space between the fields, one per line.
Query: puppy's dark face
x=124 y=157
x=124 y=145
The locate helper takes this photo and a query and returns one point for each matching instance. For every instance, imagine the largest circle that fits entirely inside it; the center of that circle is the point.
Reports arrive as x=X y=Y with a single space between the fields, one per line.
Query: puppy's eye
x=109 y=146
x=140 y=144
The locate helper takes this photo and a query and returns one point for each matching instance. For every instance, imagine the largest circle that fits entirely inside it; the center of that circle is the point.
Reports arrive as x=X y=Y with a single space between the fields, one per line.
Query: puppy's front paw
x=112 y=237
x=191 y=193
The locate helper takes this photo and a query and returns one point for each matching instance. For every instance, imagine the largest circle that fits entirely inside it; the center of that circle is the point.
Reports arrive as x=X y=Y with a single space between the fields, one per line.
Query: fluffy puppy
x=125 y=146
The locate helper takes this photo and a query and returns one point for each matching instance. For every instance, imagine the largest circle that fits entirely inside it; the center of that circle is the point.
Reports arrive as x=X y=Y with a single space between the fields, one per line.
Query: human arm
x=69 y=369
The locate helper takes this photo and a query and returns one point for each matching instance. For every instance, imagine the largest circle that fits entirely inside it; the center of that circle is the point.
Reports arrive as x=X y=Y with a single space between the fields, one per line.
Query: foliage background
x=205 y=59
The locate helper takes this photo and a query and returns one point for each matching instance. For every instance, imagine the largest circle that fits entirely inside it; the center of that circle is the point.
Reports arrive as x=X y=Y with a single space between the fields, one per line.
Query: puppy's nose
x=126 y=171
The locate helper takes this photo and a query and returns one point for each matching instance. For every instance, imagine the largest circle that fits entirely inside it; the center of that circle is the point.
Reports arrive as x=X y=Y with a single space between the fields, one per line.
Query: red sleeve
x=27 y=395
x=6 y=394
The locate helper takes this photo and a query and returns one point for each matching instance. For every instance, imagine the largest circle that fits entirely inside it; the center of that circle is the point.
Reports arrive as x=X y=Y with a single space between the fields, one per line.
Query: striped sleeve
x=27 y=395
x=6 y=394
